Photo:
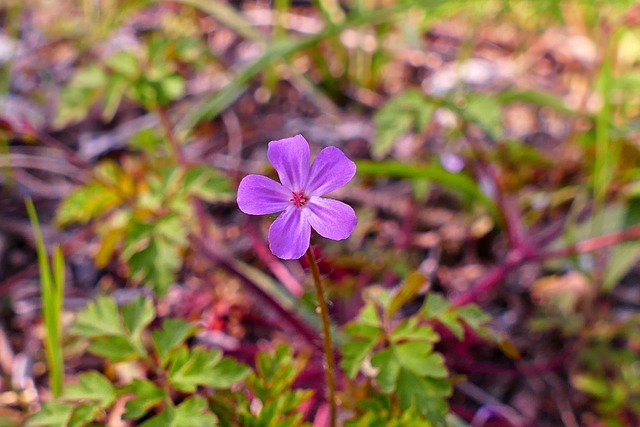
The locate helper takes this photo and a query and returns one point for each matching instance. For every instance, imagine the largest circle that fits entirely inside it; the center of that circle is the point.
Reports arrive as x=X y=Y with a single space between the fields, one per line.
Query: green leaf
x=369 y=316
x=450 y=320
x=458 y=182
x=361 y=330
x=84 y=414
x=534 y=97
x=389 y=368
x=155 y=265
x=353 y=353
x=173 y=334
x=91 y=77
x=435 y=305
x=114 y=348
x=203 y=367
x=137 y=315
x=486 y=112
x=91 y=386
x=86 y=203
x=124 y=63
x=193 y=412
x=146 y=396
x=408 y=112
x=51 y=414
x=410 y=330
x=426 y=394
x=591 y=384
x=100 y=318
x=147 y=140
x=113 y=93
x=625 y=255
x=473 y=316
x=207 y=184
x=406 y=292
x=418 y=358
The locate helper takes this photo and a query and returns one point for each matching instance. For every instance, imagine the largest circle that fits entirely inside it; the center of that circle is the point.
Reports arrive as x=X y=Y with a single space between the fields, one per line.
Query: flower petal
x=289 y=234
x=331 y=218
x=259 y=195
x=330 y=170
x=290 y=158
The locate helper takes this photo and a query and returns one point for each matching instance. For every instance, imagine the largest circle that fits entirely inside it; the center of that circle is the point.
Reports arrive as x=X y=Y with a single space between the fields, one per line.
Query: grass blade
x=52 y=294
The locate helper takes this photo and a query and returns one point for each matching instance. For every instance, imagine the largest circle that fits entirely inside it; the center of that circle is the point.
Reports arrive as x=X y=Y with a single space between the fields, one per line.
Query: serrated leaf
x=173 y=334
x=91 y=386
x=146 y=396
x=353 y=353
x=155 y=265
x=435 y=305
x=412 y=331
x=193 y=412
x=83 y=414
x=171 y=228
x=473 y=316
x=426 y=394
x=418 y=358
x=406 y=292
x=388 y=366
x=207 y=184
x=137 y=315
x=100 y=318
x=369 y=315
x=86 y=203
x=51 y=414
x=486 y=112
x=114 y=348
x=362 y=330
x=450 y=320
x=407 y=112
x=203 y=367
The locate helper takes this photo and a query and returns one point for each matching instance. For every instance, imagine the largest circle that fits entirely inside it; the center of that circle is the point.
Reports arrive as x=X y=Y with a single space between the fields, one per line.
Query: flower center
x=299 y=199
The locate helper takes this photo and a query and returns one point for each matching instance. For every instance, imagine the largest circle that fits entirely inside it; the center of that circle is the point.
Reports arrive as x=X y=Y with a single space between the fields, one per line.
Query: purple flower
x=298 y=197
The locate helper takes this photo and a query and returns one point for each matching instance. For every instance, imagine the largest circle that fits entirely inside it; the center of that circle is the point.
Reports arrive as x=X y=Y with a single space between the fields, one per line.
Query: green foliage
x=120 y=334
x=399 y=355
x=52 y=294
x=459 y=183
x=144 y=210
x=608 y=369
x=408 y=112
x=272 y=386
x=148 y=76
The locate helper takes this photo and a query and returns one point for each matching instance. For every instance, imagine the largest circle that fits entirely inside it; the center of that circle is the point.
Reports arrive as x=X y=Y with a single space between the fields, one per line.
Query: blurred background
x=497 y=145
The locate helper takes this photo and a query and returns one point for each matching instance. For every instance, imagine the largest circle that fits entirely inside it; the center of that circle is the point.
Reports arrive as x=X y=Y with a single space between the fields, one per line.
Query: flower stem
x=326 y=336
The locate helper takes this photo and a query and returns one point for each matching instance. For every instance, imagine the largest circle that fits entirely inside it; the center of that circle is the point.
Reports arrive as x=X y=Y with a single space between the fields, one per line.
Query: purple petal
x=290 y=158
x=331 y=218
x=330 y=170
x=259 y=195
x=289 y=234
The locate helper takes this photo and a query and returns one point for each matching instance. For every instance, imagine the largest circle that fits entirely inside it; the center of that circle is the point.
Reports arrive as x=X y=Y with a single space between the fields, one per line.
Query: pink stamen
x=298 y=199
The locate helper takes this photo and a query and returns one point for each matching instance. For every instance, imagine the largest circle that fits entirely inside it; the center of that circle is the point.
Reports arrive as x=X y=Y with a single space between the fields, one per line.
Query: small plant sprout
x=299 y=197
